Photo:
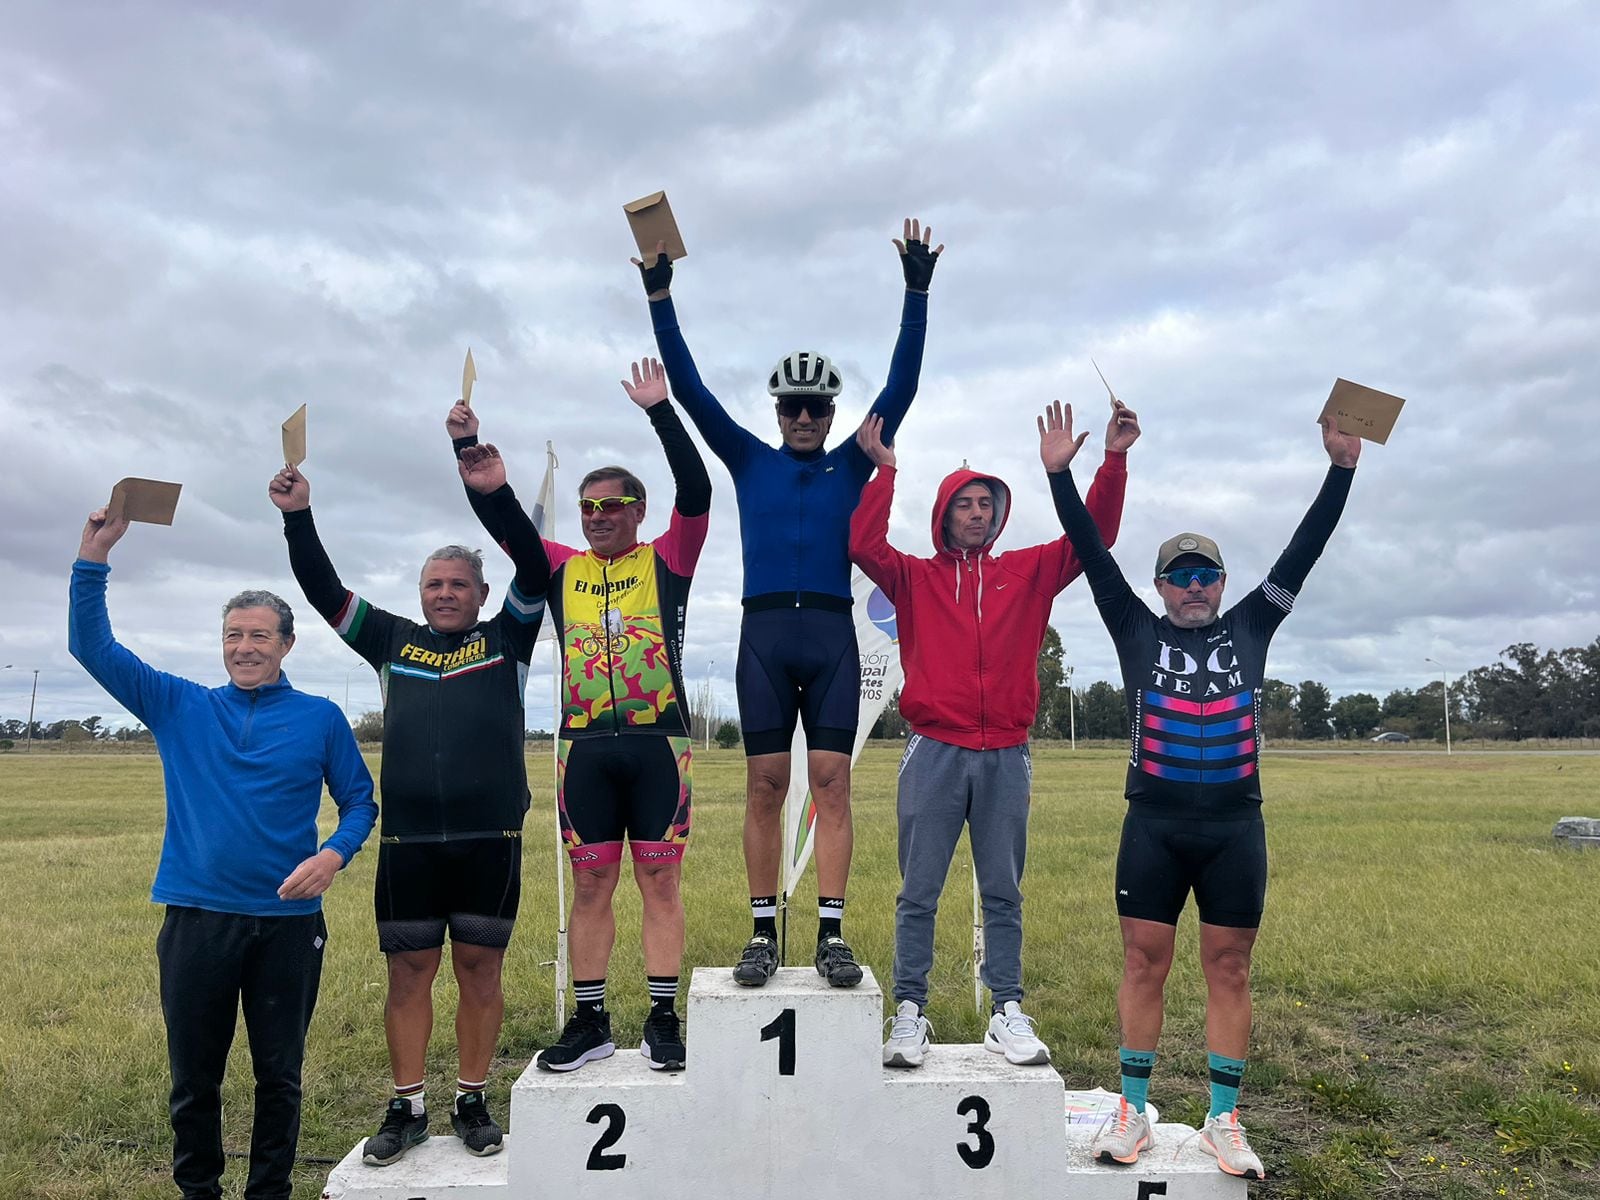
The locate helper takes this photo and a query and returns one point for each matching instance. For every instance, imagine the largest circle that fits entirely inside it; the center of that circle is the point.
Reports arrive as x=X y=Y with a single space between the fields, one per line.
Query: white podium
x=785 y=1098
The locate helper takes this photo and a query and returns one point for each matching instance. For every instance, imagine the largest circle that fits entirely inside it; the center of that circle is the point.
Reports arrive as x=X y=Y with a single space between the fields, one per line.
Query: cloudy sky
x=213 y=213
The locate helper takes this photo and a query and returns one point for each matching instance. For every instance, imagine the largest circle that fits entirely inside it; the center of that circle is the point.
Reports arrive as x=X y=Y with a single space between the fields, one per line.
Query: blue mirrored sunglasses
x=1184 y=576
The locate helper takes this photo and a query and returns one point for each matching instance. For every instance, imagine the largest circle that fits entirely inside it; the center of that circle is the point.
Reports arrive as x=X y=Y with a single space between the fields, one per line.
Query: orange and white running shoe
x=1222 y=1137
x=1124 y=1134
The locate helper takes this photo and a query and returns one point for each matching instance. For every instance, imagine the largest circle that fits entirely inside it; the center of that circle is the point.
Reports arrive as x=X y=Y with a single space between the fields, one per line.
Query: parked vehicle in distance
x=1391 y=736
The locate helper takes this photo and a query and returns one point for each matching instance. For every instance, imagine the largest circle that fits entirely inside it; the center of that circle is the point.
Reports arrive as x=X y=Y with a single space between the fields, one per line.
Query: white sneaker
x=909 y=1035
x=1125 y=1133
x=1011 y=1033
x=1223 y=1138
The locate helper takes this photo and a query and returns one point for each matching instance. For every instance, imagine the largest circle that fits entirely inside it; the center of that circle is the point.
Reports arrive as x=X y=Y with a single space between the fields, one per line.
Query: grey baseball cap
x=1180 y=544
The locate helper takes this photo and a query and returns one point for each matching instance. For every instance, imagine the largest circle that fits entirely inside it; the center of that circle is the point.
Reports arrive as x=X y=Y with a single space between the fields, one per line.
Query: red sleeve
x=1058 y=563
x=679 y=547
x=869 y=535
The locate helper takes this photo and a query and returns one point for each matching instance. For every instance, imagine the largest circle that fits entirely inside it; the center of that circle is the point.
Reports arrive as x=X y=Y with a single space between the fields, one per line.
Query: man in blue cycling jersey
x=798 y=658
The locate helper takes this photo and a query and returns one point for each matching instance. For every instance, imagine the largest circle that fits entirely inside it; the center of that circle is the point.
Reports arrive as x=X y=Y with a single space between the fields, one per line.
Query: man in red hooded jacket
x=970 y=626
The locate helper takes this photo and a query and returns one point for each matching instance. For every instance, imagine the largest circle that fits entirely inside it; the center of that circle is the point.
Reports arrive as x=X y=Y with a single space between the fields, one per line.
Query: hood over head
x=952 y=484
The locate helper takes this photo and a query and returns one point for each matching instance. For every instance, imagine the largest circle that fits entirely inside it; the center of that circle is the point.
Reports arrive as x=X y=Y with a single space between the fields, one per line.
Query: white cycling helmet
x=805 y=373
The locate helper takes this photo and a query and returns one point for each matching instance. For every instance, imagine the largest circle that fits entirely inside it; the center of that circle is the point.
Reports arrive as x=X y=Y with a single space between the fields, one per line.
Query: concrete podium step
x=785 y=1098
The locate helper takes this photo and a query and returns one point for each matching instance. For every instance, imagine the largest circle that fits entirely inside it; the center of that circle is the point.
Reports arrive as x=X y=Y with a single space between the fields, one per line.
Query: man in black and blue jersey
x=1193 y=681
x=454 y=788
x=798 y=659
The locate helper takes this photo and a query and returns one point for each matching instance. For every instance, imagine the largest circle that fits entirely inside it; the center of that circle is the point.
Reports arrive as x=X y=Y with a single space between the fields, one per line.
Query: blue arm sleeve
x=905 y=370
x=728 y=440
x=141 y=689
x=350 y=785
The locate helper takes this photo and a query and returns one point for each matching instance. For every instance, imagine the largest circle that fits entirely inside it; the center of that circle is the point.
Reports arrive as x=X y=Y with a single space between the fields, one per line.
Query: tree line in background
x=1529 y=693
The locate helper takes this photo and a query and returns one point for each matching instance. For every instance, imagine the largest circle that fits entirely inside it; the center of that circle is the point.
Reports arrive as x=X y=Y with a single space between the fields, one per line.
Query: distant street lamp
x=28 y=744
x=709 y=705
x=347 y=675
x=1446 y=675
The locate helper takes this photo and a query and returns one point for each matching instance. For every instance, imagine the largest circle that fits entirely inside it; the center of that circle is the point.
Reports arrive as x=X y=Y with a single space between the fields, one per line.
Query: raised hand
x=1122 y=431
x=1343 y=448
x=290 y=490
x=649 y=386
x=462 y=421
x=916 y=260
x=870 y=438
x=100 y=533
x=482 y=469
x=1057 y=447
x=658 y=275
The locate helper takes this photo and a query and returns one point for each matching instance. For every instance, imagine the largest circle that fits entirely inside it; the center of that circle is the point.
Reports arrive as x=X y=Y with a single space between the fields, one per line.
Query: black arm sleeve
x=1118 y=606
x=312 y=568
x=517 y=537
x=1295 y=563
x=683 y=460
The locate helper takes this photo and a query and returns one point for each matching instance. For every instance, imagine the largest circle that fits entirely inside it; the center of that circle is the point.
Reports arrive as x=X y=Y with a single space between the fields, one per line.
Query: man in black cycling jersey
x=454 y=789
x=1192 y=679
x=798 y=658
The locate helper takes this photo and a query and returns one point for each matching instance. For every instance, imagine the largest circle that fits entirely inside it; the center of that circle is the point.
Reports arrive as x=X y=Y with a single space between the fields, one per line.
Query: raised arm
x=691 y=504
x=362 y=626
x=869 y=524
x=1118 y=605
x=137 y=686
x=290 y=491
x=1288 y=574
x=728 y=440
x=905 y=366
x=484 y=472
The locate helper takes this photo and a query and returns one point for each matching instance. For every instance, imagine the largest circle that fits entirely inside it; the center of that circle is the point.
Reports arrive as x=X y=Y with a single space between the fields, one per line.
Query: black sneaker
x=836 y=963
x=399 y=1132
x=758 y=963
x=663 y=1045
x=586 y=1037
x=475 y=1127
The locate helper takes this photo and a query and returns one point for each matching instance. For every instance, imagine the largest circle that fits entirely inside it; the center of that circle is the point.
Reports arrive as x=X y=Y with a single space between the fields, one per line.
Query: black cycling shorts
x=1224 y=862
x=637 y=785
x=471 y=886
x=798 y=663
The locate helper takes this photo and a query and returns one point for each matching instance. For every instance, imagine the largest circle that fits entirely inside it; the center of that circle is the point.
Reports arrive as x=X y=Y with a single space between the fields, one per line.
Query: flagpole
x=547 y=528
x=977 y=945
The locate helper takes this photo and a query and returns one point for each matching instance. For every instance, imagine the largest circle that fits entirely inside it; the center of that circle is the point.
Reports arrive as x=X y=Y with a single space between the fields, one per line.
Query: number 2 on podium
x=782 y=1028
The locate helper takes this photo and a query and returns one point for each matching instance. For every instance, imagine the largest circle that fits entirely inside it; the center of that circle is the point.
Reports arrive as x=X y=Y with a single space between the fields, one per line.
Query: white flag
x=879 y=643
x=544 y=520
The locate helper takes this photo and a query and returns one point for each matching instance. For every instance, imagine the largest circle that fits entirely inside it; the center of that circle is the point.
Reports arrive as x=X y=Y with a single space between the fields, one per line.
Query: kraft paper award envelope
x=294 y=438
x=1102 y=375
x=1362 y=411
x=469 y=376
x=148 y=500
x=650 y=218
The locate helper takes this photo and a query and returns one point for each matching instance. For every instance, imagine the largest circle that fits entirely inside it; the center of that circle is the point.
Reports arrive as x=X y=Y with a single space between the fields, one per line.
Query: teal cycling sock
x=1226 y=1076
x=1136 y=1066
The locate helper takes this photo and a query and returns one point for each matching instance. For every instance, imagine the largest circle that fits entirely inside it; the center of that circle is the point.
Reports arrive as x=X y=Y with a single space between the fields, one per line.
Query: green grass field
x=1427 y=981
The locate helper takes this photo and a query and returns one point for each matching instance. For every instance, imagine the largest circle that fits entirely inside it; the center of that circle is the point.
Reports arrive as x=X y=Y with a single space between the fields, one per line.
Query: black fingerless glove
x=657 y=275
x=918 y=263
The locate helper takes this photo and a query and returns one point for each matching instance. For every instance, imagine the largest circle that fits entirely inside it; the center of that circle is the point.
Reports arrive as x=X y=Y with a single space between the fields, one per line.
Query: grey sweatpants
x=943 y=787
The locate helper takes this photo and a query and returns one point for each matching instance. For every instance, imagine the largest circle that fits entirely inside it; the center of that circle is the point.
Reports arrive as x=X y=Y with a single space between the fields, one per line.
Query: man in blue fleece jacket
x=241 y=872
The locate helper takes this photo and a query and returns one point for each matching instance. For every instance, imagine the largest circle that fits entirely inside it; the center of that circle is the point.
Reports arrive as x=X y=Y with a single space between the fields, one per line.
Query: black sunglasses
x=790 y=407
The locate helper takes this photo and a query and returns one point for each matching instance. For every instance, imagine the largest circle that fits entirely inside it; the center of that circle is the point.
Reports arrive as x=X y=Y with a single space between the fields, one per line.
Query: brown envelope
x=148 y=500
x=294 y=438
x=469 y=376
x=650 y=217
x=1102 y=375
x=1362 y=411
